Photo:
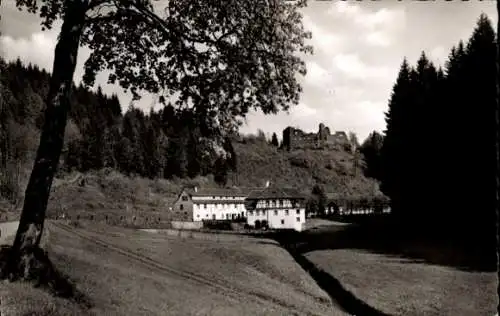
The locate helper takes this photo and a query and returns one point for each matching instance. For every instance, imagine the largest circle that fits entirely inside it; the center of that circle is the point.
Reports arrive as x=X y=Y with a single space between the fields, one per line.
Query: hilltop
x=337 y=170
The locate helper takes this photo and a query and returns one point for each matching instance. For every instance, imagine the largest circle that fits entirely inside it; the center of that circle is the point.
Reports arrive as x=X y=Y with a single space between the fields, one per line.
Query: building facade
x=182 y=208
x=214 y=203
x=276 y=208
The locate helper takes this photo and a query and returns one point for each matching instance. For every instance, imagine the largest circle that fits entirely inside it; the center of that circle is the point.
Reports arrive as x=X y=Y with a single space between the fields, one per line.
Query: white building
x=276 y=208
x=218 y=204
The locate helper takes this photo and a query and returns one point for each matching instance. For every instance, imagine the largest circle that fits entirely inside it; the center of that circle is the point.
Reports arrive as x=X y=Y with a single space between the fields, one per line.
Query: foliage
x=438 y=152
x=317 y=201
x=151 y=145
x=371 y=151
x=274 y=140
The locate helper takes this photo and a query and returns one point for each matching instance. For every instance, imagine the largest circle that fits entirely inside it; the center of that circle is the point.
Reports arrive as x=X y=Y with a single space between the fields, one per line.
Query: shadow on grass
x=377 y=236
x=346 y=300
x=383 y=238
x=44 y=275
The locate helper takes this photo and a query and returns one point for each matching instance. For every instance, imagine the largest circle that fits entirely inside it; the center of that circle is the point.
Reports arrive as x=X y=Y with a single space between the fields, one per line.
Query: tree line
x=160 y=144
x=437 y=159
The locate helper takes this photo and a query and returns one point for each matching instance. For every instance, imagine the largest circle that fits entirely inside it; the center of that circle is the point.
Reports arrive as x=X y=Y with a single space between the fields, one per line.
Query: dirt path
x=7 y=229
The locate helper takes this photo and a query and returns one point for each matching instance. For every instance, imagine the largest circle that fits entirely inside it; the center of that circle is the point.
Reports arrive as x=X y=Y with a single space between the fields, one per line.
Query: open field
x=397 y=286
x=128 y=272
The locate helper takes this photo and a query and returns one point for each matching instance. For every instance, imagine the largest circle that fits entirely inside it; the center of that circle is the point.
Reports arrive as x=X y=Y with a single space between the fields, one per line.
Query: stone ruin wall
x=294 y=138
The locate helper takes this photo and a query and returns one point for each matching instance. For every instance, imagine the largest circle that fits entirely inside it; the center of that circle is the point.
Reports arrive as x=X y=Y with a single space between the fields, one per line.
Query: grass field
x=398 y=286
x=128 y=272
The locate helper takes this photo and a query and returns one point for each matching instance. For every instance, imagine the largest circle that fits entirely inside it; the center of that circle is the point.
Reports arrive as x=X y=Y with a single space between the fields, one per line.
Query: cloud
x=352 y=66
x=317 y=76
x=37 y=49
x=323 y=40
x=381 y=26
x=302 y=111
x=382 y=18
x=378 y=38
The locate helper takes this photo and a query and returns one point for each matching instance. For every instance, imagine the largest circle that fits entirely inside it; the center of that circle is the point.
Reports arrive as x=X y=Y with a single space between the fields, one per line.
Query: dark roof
x=218 y=201
x=275 y=193
x=243 y=192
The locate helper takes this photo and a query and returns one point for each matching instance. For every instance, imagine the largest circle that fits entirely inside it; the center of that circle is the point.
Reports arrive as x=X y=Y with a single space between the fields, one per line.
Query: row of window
x=223 y=205
x=258 y=213
x=228 y=216
x=181 y=206
x=275 y=203
x=185 y=198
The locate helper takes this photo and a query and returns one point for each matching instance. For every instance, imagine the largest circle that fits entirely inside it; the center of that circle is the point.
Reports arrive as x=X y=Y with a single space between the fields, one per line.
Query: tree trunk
x=37 y=193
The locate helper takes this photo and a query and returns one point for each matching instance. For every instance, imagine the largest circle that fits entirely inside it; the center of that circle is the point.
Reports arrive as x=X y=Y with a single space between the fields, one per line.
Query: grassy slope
x=334 y=169
x=402 y=287
x=237 y=278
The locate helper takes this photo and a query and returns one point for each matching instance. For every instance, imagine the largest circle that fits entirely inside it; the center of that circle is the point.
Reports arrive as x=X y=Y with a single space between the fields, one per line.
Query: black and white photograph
x=249 y=157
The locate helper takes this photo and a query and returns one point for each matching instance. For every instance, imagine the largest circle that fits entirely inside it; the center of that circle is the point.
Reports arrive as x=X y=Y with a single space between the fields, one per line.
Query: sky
x=358 y=49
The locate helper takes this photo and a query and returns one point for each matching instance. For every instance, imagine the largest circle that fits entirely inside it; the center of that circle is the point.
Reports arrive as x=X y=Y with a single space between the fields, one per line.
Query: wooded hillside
x=156 y=145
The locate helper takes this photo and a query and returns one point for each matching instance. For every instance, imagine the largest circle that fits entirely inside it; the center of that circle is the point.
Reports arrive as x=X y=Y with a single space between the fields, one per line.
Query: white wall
x=220 y=210
x=275 y=217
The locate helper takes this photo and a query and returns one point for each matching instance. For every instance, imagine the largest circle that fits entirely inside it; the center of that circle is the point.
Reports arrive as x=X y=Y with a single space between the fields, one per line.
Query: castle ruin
x=294 y=138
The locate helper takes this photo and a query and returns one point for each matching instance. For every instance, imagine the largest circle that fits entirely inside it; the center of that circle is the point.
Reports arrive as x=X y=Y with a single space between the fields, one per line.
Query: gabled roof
x=275 y=193
x=222 y=192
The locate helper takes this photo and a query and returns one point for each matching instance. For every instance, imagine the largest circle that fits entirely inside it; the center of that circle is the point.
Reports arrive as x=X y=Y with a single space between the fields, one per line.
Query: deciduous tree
x=217 y=58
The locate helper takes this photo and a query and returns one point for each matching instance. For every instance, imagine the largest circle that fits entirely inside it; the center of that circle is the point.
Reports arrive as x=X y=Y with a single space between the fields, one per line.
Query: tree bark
x=37 y=193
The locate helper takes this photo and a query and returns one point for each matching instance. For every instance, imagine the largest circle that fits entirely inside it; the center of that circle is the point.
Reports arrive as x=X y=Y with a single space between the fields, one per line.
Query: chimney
x=195 y=189
x=267 y=183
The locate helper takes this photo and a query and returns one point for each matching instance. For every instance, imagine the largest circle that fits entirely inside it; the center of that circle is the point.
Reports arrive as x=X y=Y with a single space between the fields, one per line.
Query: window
x=298 y=212
x=257 y=213
x=286 y=212
x=298 y=219
x=184 y=198
x=198 y=215
x=275 y=212
x=181 y=207
x=250 y=212
x=282 y=222
x=204 y=206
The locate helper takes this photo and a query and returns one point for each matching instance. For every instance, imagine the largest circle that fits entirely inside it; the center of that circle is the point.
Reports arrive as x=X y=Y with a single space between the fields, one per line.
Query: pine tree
x=480 y=93
x=274 y=140
x=394 y=147
x=371 y=151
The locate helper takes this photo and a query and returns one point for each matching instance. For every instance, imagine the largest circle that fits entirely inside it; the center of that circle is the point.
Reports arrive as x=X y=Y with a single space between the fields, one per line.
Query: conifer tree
x=274 y=140
x=393 y=149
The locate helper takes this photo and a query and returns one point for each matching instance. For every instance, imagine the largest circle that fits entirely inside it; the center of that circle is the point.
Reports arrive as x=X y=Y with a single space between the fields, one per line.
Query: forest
x=437 y=162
